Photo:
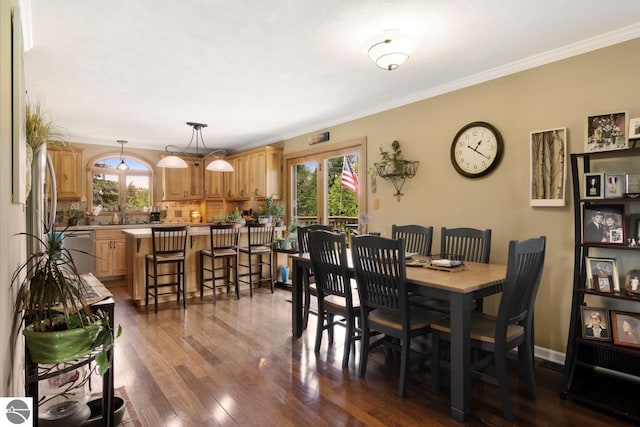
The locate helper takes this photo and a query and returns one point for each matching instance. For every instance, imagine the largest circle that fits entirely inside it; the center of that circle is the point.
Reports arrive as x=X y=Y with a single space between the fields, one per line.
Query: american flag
x=349 y=177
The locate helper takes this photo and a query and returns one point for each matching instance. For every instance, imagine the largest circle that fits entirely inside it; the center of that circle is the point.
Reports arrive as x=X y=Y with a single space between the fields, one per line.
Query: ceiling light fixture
x=391 y=48
x=173 y=161
x=122 y=166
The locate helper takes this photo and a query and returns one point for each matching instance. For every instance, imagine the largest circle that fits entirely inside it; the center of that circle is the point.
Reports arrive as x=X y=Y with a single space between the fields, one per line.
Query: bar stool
x=169 y=246
x=223 y=244
x=259 y=251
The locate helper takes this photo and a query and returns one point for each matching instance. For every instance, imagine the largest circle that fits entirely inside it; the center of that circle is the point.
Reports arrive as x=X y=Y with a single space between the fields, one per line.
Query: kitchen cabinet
x=213 y=182
x=258 y=174
x=67 y=163
x=599 y=372
x=235 y=183
x=183 y=183
x=110 y=250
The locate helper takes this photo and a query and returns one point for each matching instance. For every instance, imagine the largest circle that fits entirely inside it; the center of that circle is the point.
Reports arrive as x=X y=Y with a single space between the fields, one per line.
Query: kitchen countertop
x=126 y=226
x=198 y=230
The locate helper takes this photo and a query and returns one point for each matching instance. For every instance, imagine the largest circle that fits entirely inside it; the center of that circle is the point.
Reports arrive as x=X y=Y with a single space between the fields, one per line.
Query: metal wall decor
x=394 y=168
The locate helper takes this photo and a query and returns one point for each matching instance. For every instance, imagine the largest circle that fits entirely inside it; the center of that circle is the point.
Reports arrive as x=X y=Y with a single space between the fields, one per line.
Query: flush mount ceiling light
x=173 y=161
x=390 y=49
x=122 y=166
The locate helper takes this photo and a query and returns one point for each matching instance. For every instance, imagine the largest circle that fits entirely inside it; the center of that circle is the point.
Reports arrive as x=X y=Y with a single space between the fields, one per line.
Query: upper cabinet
x=213 y=182
x=183 y=184
x=257 y=174
x=67 y=163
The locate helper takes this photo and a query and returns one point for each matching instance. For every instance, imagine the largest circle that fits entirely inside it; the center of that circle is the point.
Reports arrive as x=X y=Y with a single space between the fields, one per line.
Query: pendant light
x=173 y=161
x=390 y=49
x=122 y=166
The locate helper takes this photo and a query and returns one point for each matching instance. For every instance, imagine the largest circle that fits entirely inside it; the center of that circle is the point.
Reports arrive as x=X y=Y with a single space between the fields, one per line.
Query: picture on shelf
x=632 y=187
x=606 y=132
x=634 y=128
x=614 y=185
x=633 y=230
x=597 y=267
x=595 y=323
x=625 y=328
x=632 y=281
x=603 y=224
x=593 y=185
x=602 y=282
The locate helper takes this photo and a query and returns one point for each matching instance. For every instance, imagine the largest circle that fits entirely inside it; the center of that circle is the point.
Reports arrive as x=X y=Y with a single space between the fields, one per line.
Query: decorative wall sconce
x=395 y=168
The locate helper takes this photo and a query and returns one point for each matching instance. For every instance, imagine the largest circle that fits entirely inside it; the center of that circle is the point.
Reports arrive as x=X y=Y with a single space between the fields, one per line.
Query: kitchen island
x=138 y=244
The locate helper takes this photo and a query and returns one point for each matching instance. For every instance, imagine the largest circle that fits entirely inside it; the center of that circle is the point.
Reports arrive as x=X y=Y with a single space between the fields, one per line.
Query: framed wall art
x=634 y=128
x=595 y=323
x=602 y=267
x=603 y=224
x=632 y=281
x=633 y=230
x=593 y=186
x=632 y=189
x=606 y=132
x=548 y=168
x=614 y=185
x=625 y=328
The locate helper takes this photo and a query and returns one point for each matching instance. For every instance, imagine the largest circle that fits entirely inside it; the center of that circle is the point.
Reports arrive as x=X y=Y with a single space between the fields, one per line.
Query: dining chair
x=169 y=245
x=380 y=271
x=512 y=328
x=417 y=239
x=336 y=295
x=259 y=251
x=308 y=283
x=223 y=249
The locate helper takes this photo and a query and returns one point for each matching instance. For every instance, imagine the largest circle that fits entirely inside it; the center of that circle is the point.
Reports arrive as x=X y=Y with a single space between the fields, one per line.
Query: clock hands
x=476 y=150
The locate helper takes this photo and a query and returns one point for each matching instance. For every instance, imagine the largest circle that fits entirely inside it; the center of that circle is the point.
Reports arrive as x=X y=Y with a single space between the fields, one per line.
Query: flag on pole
x=349 y=177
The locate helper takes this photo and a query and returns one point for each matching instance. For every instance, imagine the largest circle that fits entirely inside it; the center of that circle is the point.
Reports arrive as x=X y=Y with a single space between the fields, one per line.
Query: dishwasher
x=81 y=244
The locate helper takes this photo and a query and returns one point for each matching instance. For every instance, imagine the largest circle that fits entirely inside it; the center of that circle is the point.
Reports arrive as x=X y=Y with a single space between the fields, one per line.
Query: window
x=113 y=188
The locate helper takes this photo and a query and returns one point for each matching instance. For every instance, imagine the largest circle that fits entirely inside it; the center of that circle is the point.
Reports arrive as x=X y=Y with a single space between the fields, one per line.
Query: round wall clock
x=476 y=149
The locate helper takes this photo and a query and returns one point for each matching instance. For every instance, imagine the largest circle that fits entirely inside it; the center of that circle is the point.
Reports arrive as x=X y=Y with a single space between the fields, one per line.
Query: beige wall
x=12 y=216
x=560 y=94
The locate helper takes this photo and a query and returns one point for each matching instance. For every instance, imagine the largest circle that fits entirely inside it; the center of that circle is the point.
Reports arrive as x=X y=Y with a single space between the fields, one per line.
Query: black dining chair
x=512 y=328
x=380 y=272
x=223 y=249
x=336 y=295
x=308 y=285
x=165 y=266
x=473 y=244
x=417 y=239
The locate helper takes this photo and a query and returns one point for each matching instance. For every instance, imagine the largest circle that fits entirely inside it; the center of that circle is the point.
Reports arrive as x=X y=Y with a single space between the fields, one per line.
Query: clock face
x=476 y=149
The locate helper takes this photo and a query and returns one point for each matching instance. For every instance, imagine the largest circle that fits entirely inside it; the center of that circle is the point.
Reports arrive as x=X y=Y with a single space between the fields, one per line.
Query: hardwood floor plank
x=236 y=364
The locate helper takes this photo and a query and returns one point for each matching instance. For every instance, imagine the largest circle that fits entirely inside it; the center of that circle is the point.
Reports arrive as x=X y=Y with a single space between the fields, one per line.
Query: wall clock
x=476 y=149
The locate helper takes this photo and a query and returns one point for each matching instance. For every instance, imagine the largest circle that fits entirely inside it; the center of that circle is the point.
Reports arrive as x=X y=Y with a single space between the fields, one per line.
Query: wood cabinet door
x=68 y=171
x=174 y=183
x=214 y=183
x=256 y=174
x=119 y=267
x=195 y=180
x=231 y=179
x=103 y=258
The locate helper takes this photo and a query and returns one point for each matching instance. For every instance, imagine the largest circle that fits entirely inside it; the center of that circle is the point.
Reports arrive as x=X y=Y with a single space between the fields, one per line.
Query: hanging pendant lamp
x=173 y=161
x=122 y=166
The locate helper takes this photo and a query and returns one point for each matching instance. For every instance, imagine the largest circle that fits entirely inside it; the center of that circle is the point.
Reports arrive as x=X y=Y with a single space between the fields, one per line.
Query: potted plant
x=59 y=325
x=234 y=217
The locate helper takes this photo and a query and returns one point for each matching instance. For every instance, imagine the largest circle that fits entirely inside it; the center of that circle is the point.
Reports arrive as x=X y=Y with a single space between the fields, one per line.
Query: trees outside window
x=113 y=188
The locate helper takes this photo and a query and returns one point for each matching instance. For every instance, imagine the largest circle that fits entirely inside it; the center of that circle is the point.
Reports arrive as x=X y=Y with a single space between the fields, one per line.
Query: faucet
x=125 y=217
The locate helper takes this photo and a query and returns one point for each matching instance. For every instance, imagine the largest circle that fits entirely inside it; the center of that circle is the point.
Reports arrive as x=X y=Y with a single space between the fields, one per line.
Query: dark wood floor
x=236 y=363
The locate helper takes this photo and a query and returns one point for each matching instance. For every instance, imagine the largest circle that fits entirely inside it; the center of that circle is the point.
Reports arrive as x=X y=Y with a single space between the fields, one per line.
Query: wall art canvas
x=548 y=167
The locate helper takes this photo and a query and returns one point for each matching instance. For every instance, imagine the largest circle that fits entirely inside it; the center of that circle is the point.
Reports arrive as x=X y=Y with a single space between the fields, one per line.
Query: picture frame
x=632 y=187
x=593 y=186
x=615 y=185
x=603 y=283
x=548 y=167
x=603 y=224
x=634 y=128
x=596 y=267
x=632 y=281
x=625 y=328
x=595 y=323
x=606 y=132
x=633 y=230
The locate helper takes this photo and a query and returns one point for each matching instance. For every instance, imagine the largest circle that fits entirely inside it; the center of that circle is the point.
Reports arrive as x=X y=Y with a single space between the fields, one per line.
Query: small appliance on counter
x=154 y=215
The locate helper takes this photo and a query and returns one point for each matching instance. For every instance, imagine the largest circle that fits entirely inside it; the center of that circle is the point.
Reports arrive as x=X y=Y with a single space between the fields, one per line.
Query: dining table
x=459 y=286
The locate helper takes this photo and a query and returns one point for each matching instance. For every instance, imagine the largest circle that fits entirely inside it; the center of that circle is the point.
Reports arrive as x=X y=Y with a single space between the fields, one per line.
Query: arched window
x=113 y=188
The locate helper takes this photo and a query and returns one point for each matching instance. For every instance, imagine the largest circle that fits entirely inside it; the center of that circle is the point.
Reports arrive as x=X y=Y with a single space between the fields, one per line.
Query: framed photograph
x=597 y=267
x=548 y=168
x=632 y=281
x=634 y=128
x=606 y=132
x=625 y=328
x=633 y=230
x=615 y=185
x=593 y=186
x=595 y=323
x=603 y=283
x=632 y=185
x=603 y=224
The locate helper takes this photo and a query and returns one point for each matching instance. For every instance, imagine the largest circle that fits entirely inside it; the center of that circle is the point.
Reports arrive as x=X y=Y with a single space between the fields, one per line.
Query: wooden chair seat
x=341 y=302
x=483 y=327
x=419 y=318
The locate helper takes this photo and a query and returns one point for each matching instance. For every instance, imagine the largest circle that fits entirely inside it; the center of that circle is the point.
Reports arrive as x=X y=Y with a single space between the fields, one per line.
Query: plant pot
x=60 y=346
x=95 y=405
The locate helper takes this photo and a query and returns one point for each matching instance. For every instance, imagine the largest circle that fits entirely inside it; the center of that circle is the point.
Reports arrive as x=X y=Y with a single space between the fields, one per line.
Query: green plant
x=393 y=161
x=50 y=297
x=39 y=129
x=234 y=216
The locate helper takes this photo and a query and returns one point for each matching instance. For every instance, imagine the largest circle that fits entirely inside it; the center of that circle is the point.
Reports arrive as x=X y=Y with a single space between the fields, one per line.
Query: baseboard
x=549 y=355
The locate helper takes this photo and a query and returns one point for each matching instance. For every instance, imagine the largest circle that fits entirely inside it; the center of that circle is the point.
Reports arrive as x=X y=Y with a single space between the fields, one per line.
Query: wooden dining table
x=458 y=286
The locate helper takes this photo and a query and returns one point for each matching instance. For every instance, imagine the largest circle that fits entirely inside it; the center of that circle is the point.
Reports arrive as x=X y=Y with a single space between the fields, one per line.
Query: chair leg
x=271 y=270
x=237 y=261
x=503 y=383
x=201 y=259
x=404 y=362
x=307 y=300
x=435 y=361
x=330 y=321
x=227 y=272
x=348 y=339
x=364 y=351
x=250 y=276
x=155 y=286
x=146 y=282
x=525 y=362
x=319 y=328
x=183 y=275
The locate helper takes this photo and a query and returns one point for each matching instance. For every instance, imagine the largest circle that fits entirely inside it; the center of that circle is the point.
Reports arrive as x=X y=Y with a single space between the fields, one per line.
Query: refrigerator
x=41 y=210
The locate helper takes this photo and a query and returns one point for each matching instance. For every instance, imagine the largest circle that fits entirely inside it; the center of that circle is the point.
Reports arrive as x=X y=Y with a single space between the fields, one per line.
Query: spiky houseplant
x=59 y=323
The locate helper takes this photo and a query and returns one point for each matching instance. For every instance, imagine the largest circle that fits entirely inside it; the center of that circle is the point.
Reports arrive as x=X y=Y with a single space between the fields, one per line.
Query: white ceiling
x=260 y=71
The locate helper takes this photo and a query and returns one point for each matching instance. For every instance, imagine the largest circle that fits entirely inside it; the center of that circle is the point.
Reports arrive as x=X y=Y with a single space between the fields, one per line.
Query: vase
x=60 y=346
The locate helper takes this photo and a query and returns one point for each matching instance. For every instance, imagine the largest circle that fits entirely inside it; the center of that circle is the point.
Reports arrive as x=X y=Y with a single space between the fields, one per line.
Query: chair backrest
x=260 y=234
x=473 y=244
x=380 y=270
x=224 y=236
x=524 y=273
x=416 y=237
x=328 y=252
x=169 y=240
x=303 y=235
